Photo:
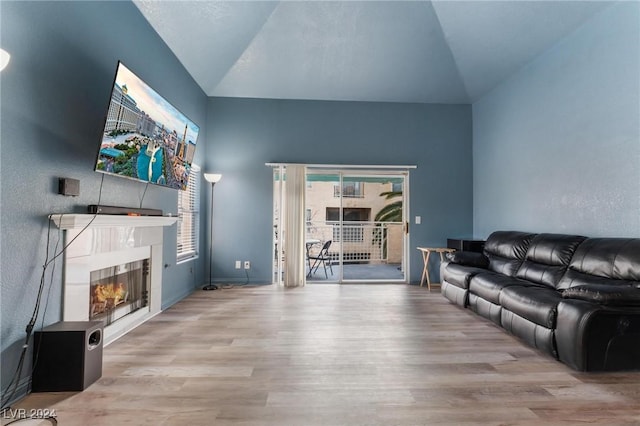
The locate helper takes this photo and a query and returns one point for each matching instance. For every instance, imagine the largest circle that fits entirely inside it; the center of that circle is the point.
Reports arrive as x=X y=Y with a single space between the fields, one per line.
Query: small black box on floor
x=67 y=356
x=466 y=245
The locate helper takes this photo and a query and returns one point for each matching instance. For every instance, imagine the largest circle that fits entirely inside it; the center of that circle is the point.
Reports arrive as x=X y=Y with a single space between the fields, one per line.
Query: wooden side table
x=426 y=252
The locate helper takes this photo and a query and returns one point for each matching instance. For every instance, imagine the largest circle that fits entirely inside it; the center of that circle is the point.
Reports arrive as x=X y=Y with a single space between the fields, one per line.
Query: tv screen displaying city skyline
x=144 y=136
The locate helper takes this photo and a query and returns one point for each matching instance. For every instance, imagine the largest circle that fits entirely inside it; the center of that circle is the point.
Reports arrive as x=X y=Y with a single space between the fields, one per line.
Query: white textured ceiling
x=387 y=51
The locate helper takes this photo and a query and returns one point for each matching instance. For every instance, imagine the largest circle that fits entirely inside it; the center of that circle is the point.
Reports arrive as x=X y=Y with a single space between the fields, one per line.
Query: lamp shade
x=4 y=58
x=212 y=177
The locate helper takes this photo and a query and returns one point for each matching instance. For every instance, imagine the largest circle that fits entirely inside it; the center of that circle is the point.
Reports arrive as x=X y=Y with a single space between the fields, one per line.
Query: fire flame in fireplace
x=107 y=296
x=104 y=292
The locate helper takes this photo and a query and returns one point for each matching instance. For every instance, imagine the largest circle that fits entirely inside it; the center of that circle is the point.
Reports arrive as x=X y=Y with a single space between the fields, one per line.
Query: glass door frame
x=279 y=170
x=347 y=172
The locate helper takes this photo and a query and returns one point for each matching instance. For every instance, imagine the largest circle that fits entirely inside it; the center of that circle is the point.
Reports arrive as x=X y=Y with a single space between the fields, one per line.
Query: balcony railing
x=361 y=242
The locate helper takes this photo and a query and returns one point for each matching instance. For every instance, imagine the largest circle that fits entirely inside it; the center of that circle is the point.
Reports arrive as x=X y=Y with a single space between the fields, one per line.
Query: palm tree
x=392 y=212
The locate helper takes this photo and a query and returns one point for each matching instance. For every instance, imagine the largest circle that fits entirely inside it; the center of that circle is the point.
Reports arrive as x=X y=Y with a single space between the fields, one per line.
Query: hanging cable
x=12 y=388
x=144 y=193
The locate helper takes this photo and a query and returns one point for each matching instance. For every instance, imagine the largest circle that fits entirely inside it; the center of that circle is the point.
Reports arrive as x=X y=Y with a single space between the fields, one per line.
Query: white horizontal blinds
x=189 y=217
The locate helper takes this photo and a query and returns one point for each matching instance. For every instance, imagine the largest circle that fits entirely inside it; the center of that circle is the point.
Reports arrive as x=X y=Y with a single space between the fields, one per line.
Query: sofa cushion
x=536 y=304
x=489 y=284
x=506 y=250
x=460 y=275
x=548 y=257
x=616 y=260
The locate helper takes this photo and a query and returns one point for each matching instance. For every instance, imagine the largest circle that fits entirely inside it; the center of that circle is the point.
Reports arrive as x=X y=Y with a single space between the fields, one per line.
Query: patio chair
x=322 y=258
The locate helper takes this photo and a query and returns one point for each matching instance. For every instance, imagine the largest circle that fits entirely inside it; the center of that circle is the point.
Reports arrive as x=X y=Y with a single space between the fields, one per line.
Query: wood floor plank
x=335 y=355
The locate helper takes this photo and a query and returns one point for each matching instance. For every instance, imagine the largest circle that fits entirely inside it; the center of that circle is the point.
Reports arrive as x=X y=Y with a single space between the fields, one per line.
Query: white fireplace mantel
x=99 y=241
x=80 y=221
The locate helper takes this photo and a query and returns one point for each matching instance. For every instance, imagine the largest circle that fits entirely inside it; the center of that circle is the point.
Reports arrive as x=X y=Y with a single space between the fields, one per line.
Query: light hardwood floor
x=335 y=355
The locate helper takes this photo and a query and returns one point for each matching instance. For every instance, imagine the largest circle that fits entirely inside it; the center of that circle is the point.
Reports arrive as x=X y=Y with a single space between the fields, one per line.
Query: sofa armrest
x=595 y=337
x=605 y=294
x=468 y=258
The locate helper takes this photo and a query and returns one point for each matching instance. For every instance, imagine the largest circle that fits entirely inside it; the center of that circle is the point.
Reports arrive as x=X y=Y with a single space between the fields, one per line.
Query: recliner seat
x=503 y=254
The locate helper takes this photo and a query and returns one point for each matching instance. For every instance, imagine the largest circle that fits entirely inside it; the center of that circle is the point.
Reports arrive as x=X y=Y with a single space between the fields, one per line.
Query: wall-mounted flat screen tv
x=144 y=136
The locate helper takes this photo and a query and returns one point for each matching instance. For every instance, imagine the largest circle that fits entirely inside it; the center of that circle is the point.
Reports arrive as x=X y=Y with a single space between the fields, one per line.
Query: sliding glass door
x=355 y=225
x=359 y=219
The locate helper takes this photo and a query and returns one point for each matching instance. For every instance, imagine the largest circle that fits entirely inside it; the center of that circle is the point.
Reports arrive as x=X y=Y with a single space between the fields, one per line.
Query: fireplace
x=118 y=290
x=112 y=269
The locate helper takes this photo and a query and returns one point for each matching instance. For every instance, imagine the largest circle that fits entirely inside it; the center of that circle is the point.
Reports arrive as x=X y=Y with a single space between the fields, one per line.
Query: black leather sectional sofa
x=574 y=298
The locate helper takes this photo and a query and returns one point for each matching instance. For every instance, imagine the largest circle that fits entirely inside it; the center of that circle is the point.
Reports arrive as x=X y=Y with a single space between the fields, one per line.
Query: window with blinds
x=189 y=217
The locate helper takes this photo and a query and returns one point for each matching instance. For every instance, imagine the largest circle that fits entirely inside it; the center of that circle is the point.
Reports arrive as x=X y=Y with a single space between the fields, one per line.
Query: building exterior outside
x=363 y=239
x=123 y=111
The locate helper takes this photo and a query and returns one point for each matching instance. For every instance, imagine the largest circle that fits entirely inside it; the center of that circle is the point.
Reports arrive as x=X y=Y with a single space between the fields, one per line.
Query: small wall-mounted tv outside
x=145 y=137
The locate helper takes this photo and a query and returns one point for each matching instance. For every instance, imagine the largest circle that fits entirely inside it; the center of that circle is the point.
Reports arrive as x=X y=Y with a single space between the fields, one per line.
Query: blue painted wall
x=54 y=96
x=244 y=134
x=557 y=147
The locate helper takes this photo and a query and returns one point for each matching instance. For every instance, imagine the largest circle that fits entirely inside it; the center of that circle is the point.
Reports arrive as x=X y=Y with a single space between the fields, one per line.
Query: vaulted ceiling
x=388 y=51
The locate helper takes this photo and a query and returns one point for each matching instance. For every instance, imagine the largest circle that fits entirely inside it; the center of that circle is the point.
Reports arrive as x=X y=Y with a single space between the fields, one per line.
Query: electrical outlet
x=247 y=264
x=238 y=264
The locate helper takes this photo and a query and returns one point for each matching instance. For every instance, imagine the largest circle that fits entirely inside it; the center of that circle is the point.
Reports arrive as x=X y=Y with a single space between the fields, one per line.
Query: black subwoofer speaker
x=67 y=356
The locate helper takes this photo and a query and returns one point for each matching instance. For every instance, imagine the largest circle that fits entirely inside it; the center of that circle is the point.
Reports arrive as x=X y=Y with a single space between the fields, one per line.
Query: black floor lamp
x=211 y=178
